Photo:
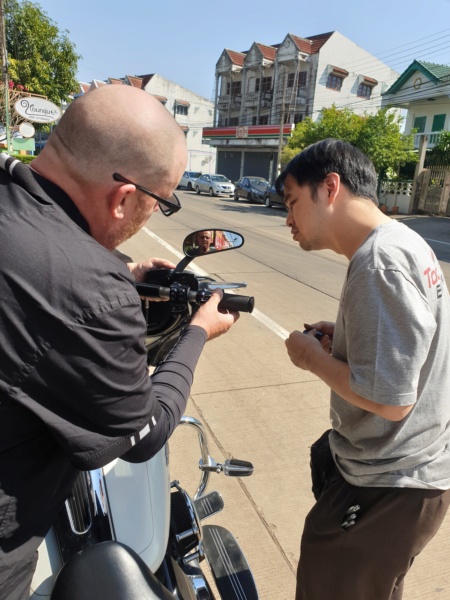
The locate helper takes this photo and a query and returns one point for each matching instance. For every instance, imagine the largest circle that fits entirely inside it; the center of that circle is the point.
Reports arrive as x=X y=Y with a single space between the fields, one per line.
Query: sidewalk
x=270 y=415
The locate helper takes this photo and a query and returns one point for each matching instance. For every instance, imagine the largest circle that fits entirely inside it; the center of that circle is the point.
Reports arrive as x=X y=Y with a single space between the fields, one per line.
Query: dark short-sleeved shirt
x=74 y=386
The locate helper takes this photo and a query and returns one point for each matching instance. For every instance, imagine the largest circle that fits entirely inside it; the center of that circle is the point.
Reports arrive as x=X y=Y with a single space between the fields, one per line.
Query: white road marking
x=258 y=315
x=436 y=241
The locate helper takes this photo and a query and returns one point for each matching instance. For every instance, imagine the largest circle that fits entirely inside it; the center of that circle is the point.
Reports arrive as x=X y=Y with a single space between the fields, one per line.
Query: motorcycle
x=127 y=532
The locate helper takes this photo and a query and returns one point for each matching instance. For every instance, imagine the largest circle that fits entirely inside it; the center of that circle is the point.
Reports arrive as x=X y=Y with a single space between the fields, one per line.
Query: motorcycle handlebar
x=235 y=302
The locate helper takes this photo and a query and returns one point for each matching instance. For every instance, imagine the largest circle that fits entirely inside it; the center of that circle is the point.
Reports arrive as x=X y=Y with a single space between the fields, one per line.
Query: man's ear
x=118 y=200
x=333 y=184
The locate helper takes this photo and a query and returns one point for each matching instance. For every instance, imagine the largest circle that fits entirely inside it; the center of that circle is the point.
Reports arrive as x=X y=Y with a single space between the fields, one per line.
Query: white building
x=423 y=89
x=266 y=86
x=191 y=111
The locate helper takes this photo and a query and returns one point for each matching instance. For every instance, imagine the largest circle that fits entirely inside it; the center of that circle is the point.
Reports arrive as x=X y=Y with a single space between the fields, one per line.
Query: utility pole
x=4 y=60
x=280 y=137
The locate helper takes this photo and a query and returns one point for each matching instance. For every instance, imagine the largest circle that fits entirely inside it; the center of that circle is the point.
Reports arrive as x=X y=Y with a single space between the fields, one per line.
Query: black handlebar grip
x=149 y=290
x=237 y=302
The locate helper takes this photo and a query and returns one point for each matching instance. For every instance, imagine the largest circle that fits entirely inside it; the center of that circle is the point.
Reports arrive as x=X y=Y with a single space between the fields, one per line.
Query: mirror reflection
x=208 y=241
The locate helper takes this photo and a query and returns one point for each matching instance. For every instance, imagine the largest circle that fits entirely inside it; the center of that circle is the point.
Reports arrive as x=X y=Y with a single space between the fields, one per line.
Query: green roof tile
x=438 y=71
x=433 y=71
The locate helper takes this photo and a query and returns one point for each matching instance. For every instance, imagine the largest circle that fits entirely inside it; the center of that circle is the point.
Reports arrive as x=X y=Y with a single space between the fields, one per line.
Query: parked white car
x=214 y=185
x=189 y=178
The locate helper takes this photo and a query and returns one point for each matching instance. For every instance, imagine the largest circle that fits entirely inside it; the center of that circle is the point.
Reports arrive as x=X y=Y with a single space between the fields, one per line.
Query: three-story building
x=260 y=95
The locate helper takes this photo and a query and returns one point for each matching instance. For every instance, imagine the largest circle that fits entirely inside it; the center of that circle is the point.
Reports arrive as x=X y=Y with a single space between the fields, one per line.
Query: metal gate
x=436 y=188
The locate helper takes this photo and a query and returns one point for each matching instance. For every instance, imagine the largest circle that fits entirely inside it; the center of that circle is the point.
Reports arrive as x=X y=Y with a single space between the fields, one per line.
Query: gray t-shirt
x=393 y=329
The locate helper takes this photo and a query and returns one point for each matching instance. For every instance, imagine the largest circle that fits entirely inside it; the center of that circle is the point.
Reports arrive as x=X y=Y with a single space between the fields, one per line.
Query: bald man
x=74 y=386
x=203 y=241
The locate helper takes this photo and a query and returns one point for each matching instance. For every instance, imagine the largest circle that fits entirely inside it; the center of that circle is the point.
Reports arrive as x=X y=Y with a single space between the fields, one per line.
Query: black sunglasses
x=166 y=206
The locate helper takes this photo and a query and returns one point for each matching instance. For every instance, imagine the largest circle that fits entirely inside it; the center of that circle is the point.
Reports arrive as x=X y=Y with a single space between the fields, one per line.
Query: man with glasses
x=74 y=386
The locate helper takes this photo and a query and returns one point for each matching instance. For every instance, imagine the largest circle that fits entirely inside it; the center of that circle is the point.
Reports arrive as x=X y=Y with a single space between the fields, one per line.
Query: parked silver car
x=189 y=178
x=214 y=185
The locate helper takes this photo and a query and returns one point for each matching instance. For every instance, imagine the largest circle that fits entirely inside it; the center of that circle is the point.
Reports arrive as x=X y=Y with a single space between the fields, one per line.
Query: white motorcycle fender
x=138 y=496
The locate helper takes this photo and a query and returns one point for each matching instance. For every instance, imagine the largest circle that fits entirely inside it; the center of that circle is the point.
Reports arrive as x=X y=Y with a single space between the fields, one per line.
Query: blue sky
x=182 y=40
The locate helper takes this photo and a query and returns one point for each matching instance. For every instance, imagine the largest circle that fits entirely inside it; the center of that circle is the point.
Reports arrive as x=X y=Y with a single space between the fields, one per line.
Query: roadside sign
x=26 y=129
x=37 y=110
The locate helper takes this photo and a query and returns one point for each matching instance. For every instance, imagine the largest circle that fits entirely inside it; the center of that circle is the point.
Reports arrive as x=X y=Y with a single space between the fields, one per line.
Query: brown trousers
x=369 y=559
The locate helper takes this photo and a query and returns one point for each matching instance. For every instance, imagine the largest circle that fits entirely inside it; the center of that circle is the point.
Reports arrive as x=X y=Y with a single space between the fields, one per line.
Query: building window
x=264 y=120
x=234 y=87
x=438 y=123
x=234 y=121
x=181 y=110
x=334 y=82
x=162 y=99
x=253 y=120
x=298 y=118
x=265 y=85
x=419 y=124
x=364 y=91
x=301 y=79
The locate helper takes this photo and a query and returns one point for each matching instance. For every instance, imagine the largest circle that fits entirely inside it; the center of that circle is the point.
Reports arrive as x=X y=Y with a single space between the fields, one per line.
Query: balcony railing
x=223 y=102
x=251 y=99
x=301 y=94
x=432 y=139
x=236 y=101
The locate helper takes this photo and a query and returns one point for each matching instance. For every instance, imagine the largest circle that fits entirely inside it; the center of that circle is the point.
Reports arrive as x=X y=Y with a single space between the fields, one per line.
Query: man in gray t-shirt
x=387 y=362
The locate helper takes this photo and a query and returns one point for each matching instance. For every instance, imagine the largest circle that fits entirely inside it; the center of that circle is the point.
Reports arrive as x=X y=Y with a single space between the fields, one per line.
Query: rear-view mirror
x=208 y=241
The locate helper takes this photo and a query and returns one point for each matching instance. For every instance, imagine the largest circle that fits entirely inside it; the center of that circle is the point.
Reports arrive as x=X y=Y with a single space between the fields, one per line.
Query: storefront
x=247 y=151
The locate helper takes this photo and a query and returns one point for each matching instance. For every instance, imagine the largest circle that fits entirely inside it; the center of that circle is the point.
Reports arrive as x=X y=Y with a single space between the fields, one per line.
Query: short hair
x=117 y=128
x=314 y=163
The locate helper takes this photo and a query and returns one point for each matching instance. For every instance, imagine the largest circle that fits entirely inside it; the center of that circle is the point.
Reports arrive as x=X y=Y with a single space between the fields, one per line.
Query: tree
x=41 y=58
x=440 y=154
x=378 y=136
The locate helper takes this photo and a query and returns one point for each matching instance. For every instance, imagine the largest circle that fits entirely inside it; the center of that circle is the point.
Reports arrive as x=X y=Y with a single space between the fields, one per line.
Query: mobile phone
x=318 y=335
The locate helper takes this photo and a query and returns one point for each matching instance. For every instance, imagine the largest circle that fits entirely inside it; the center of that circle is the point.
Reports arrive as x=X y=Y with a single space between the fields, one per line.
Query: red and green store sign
x=250 y=132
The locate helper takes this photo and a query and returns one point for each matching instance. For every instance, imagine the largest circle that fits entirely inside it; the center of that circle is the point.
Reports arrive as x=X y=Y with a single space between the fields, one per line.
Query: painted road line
x=436 y=241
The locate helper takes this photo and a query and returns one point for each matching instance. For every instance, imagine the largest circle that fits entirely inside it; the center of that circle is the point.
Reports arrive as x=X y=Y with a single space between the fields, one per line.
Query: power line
x=389 y=53
x=364 y=63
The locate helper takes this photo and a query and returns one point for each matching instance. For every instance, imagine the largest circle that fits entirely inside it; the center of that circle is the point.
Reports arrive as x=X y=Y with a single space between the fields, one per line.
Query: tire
x=250 y=198
x=267 y=202
x=236 y=196
x=197 y=190
x=211 y=192
x=189 y=186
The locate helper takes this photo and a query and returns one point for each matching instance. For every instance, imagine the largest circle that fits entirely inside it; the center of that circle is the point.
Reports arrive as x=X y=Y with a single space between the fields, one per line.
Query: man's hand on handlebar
x=139 y=269
x=213 y=320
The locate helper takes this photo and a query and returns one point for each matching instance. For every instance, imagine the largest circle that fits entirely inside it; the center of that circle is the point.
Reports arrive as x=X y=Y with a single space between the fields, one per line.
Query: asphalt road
x=255 y=405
